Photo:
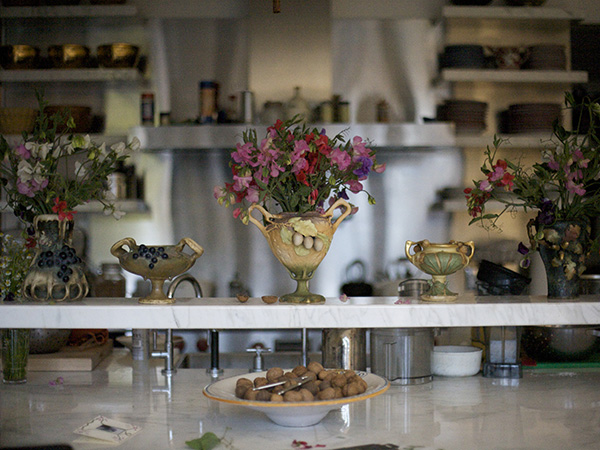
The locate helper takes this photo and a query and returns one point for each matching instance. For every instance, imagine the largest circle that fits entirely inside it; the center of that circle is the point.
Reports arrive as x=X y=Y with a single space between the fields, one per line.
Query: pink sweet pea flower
x=241 y=183
x=22 y=151
x=341 y=158
x=252 y=195
x=553 y=165
x=379 y=168
x=359 y=147
x=355 y=186
x=24 y=188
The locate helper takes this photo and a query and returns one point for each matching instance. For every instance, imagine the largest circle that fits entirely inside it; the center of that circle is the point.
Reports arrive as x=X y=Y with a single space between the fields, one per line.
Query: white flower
x=119 y=148
x=117 y=213
x=24 y=171
x=39 y=150
x=102 y=152
x=80 y=170
x=38 y=174
x=135 y=144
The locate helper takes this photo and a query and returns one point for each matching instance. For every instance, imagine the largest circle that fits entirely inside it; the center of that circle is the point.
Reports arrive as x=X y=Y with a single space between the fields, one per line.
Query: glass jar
x=110 y=282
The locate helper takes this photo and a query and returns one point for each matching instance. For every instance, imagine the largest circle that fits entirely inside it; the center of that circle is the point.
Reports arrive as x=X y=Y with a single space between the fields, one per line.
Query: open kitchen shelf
x=507 y=12
x=197 y=137
x=515 y=76
x=70 y=75
x=514 y=140
x=19 y=12
x=95 y=207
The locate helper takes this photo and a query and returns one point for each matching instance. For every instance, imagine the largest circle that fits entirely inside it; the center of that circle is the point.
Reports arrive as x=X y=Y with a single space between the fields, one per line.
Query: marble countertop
x=550 y=409
x=357 y=312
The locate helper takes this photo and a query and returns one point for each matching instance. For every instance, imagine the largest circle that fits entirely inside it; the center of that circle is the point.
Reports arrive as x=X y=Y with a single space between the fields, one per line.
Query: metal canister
x=247 y=110
x=402 y=355
x=147 y=109
x=208 y=101
x=344 y=348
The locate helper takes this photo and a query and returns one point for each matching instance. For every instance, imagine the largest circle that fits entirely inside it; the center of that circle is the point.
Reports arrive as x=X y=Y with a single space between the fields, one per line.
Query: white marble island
x=358 y=312
x=550 y=409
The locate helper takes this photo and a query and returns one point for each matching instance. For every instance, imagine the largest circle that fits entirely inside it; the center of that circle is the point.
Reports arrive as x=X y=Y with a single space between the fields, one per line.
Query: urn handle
x=267 y=215
x=347 y=211
x=117 y=248
x=418 y=246
x=196 y=248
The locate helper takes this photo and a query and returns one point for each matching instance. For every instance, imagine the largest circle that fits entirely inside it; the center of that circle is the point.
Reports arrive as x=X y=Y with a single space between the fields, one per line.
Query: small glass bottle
x=111 y=282
x=298 y=106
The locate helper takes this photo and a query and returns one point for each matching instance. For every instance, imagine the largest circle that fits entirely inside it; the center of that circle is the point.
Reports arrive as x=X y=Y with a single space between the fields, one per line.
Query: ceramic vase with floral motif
x=300 y=242
x=57 y=273
x=563 y=250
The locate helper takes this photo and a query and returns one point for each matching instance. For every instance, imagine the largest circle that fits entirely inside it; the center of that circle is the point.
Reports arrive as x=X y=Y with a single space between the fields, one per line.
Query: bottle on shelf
x=298 y=106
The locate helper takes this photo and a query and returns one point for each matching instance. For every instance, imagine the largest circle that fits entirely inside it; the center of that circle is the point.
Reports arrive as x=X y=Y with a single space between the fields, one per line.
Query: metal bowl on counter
x=19 y=56
x=117 y=56
x=69 y=56
x=560 y=343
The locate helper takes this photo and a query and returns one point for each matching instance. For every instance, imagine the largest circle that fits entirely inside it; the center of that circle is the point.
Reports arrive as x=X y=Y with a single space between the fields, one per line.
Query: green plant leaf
x=207 y=441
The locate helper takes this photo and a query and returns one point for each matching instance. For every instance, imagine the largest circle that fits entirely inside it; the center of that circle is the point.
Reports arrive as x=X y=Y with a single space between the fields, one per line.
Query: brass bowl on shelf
x=117 y=56
x=69 y=56
x=156 y=263
x=16 y=120
x=19 y=56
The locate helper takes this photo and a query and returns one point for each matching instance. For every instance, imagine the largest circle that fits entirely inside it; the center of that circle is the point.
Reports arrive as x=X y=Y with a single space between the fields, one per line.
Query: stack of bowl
x=531 y=117
x=467 y=115
x=463 y=56
x=546 y=57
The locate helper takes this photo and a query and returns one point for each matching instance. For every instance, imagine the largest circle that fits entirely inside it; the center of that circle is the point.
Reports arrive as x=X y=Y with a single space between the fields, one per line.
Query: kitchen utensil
x=355 y=285
x=589 y=284
x=402 y=355
x=499 y=280
x=19 y=56
x=292 y=414
x=118 y=55
x=456 y=360
x=560 y=343
x=69 y=56
x=47 y=340
x=156 y=263
x=344 y=348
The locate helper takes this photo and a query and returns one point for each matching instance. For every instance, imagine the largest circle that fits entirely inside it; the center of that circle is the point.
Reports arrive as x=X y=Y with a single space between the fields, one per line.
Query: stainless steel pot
x=560 y=343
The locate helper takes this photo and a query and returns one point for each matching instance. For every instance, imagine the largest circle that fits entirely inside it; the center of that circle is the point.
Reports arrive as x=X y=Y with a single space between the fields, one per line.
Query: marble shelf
x=358 y=312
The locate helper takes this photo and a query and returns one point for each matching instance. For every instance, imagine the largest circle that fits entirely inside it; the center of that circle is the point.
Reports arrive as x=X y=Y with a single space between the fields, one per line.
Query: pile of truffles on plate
x=302 y=384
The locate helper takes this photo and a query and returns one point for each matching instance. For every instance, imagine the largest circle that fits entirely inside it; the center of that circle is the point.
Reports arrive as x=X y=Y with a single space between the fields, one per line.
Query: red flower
x=301 y=177
x=60 y=207
x=312 y=198
x=30 y=242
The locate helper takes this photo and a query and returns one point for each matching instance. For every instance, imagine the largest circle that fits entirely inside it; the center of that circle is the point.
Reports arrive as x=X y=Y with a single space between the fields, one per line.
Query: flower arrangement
x=15 y=259
x=564 y=186
x=53 y=172
x=296 y=169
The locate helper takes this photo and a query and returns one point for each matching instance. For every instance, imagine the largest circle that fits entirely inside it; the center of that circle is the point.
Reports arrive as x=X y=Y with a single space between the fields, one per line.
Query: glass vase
x=15 y=350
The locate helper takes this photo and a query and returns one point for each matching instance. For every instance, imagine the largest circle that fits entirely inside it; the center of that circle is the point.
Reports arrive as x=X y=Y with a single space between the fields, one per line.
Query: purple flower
x=522 y=249
x=362 y=171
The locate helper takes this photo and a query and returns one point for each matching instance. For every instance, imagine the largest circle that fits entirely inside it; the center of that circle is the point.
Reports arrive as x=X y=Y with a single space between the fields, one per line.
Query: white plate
x=296 y=414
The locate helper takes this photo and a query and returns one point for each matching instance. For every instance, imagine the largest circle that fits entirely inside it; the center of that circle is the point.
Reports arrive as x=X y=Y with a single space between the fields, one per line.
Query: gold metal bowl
x=69 y=56
x=19 y=56
x=117 y=56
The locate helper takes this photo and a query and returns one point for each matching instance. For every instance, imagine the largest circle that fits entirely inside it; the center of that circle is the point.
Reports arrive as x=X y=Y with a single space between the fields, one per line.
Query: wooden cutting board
x=70 y=359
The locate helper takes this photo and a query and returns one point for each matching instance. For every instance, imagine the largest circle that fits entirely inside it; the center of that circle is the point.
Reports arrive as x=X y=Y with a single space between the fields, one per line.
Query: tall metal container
x=344 y=348
x=402 y=355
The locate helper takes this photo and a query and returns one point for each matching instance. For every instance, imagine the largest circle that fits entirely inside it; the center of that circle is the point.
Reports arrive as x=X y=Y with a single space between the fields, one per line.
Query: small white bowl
x=455 y=360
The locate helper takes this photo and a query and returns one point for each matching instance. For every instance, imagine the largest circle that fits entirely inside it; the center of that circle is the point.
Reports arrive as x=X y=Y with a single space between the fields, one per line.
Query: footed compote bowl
x=439 y=261
x=156 y=263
